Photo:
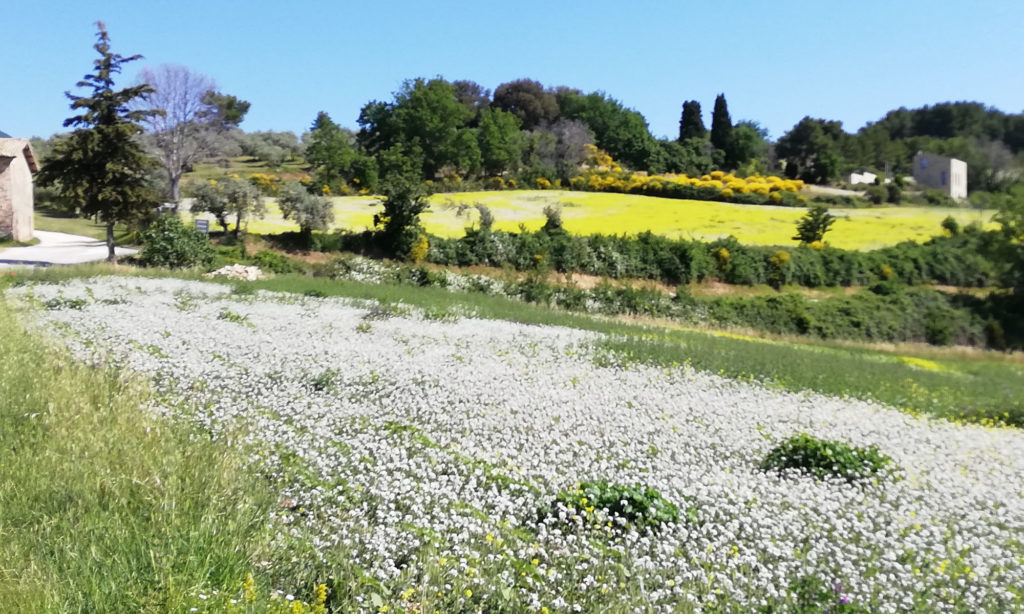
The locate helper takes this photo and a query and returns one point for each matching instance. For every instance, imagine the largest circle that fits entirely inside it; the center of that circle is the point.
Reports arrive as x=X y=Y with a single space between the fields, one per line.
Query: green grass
x=244 y=166
x=104 y=509
x=984 y=387
x=54 y=221
x=12 y=243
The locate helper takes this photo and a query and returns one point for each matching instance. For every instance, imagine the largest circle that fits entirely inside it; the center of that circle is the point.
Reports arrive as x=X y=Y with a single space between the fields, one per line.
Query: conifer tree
x=721 y=125
x=691 y=125
x=101 y=168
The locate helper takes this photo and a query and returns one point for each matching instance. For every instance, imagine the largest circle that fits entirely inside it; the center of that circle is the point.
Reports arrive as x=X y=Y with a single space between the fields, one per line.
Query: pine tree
x=721 y=125
x=691 y=125
x=812 y=227
x=101 y=168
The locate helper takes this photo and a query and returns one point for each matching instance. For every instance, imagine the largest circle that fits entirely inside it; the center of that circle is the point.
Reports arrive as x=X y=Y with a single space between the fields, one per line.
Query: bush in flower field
x=638 y=504
x=822 y=458
x=169 y=243
x=275 y=262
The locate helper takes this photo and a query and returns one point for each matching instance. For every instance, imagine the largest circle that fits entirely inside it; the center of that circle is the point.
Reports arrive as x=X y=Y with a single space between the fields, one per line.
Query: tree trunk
x=111 y=256
x=238 y=224
x=174 y=179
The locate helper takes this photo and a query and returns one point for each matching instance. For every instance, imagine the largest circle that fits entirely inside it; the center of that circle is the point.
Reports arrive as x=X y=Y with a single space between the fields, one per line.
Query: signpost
x=203 y=226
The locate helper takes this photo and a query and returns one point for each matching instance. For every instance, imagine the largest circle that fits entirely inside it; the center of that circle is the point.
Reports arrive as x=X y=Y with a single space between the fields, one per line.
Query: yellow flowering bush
x=269 y=185
x=543 y=183
x=420 y=249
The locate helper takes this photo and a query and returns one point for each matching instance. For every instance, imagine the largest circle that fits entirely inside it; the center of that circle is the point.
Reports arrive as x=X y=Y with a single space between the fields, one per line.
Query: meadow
x=431 y=460
x=606 y=213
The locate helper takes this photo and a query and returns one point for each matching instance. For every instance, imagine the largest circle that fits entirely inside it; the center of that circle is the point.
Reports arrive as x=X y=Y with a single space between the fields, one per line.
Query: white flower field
x=429 y=450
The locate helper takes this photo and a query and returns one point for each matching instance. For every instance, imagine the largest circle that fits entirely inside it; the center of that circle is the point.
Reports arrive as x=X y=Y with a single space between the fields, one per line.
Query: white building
x=862 y=177
x=941 y=173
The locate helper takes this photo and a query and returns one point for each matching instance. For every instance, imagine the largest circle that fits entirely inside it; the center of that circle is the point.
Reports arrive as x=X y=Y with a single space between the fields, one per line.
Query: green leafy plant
x=638 y=504
x=275 y=262
x=58 y=303
x=230 y=316
x=169 y=243
x=823 y=458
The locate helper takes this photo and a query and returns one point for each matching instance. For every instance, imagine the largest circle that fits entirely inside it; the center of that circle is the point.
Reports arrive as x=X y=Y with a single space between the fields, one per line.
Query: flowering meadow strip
x=435 y=454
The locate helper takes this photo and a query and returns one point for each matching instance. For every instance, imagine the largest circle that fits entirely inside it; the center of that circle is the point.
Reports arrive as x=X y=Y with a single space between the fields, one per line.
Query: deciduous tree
x=501 y=141
x=527 y=100
x=192 y=117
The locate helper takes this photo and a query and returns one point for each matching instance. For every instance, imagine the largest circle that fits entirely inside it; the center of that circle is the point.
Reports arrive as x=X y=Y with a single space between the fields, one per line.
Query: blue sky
x=775 y=61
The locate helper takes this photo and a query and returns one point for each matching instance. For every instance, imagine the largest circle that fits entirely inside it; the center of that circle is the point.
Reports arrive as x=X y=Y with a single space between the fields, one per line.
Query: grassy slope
x=103 y=508
x=45 y=219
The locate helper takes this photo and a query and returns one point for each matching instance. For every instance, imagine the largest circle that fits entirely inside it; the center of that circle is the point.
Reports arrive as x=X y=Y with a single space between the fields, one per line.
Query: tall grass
x=105 y=508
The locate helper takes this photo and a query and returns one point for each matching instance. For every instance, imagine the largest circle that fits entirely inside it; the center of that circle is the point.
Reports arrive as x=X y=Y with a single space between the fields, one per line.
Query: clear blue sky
x=775 y=61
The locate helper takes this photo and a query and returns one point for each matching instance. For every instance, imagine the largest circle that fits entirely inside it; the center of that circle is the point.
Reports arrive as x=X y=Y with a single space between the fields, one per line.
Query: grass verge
x=54 y=221
x=104 y=508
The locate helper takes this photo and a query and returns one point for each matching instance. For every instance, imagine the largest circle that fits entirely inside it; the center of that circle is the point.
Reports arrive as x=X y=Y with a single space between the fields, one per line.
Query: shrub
x=951 y=226
x=877 y=194
x=274 y=262
x=823 y=458
x=169 y=243
x=894 y=193
x=813 y=226
x=639 y=505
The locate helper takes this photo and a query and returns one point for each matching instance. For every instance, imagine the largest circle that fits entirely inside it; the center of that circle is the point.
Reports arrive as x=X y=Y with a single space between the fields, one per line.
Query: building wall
x=865 y=177
x=958 y=178
x=941 y=173
x=16 y=204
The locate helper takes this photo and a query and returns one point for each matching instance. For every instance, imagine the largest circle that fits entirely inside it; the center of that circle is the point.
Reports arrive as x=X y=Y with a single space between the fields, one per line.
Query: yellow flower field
x=607 y=213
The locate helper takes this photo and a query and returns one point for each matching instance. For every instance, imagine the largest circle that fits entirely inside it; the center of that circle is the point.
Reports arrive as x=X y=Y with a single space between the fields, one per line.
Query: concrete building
x=17 y=163
x=862 y=177
x=941 y=173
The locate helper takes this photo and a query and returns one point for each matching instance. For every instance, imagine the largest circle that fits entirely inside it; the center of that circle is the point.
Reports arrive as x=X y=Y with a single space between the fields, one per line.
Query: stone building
x=941 y=173
x=17 y=163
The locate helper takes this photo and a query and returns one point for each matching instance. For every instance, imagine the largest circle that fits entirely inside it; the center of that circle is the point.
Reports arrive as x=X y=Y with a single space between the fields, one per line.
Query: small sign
x=203 y=226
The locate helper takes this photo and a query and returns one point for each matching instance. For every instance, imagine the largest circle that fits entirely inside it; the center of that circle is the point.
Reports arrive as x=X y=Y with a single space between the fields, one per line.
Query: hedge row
x=970 y=259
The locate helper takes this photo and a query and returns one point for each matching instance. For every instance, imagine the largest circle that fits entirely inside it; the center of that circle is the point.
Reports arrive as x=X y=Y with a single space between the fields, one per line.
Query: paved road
x=59 y=248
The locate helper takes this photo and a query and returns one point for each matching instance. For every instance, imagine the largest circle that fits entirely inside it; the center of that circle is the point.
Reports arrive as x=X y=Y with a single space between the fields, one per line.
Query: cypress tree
x=691 y=125
x=721 y=125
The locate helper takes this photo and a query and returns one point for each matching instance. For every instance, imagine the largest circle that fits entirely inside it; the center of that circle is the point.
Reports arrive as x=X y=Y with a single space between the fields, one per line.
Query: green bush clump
x=275 y=262
x=823 y=458
x=169 y=243
x=638 y=504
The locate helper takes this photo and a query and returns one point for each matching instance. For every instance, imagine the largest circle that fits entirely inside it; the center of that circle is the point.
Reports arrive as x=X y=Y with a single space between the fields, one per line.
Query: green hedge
x=971 y=259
